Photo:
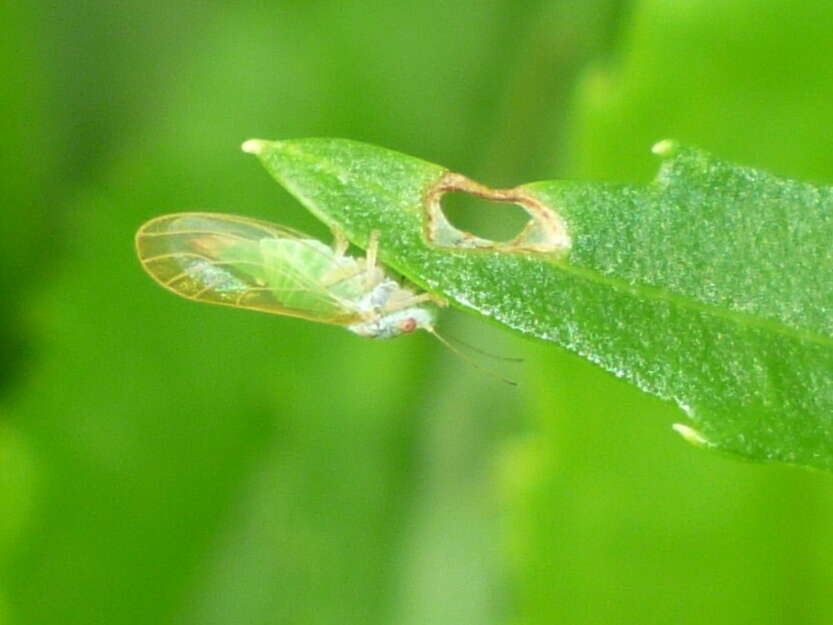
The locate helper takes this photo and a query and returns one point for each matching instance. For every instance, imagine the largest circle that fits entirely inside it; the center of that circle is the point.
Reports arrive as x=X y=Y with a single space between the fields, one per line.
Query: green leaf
x=706 y=287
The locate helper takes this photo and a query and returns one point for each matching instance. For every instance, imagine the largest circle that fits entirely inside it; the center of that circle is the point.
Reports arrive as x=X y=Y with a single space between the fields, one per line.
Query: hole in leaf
x=496 y=221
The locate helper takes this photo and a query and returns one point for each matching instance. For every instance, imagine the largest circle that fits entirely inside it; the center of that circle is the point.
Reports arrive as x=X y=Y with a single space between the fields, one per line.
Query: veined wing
x=247 y=263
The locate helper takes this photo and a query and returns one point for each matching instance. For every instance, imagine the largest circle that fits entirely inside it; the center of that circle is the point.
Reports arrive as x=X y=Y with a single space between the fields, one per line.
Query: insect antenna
x=478 y=350
x=468 y=359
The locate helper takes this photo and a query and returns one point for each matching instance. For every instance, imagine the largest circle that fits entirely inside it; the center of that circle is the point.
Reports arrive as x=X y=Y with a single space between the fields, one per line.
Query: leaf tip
x=254 y=146
x=666 y=147
x=690 y=435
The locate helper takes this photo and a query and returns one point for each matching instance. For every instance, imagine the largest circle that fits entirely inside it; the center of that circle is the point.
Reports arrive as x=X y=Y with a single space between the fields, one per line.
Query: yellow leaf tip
x=690 y=435
x=254 y=146
x=664 y=147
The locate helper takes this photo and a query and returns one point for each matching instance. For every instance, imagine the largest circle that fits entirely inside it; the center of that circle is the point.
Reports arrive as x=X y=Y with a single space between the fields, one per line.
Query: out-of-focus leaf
x=29 y=181
x=203 y=465
x=707 y=287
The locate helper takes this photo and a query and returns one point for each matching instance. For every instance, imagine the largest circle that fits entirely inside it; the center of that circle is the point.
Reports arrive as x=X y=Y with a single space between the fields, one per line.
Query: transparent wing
x=246 y=263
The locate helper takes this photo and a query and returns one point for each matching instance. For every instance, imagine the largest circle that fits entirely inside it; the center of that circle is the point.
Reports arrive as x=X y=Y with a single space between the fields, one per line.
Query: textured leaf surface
x=706 y=287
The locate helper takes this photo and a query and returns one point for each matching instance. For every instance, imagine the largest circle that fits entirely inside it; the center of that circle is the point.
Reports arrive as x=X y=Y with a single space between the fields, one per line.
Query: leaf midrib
x=663 y=294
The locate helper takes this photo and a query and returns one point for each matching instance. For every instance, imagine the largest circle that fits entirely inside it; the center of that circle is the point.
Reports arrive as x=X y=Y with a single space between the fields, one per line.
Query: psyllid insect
x=246 y=263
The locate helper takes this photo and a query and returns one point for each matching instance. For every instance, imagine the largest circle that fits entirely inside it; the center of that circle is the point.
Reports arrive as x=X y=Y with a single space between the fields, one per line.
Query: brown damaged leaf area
x=545 y=232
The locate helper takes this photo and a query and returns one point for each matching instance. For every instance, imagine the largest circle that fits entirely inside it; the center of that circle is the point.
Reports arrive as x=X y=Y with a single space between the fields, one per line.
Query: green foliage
x=178 y=463
x=707 y=287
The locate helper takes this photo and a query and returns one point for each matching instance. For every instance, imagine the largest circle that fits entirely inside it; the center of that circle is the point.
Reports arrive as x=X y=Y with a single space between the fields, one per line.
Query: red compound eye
x=407 y=325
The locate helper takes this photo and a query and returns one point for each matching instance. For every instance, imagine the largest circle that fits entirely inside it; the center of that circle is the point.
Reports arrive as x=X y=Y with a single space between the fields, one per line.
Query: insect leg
x=370 y=258
x=340 y=242
x=339 y=272
x=342 y=272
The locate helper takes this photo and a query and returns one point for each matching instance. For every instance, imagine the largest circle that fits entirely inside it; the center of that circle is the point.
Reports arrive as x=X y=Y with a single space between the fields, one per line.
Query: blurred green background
x=164 y=462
